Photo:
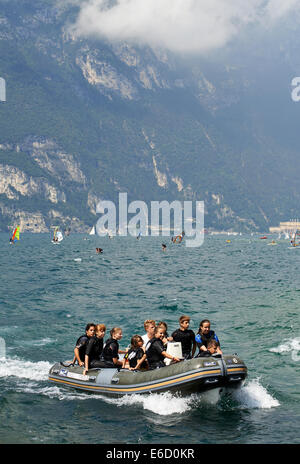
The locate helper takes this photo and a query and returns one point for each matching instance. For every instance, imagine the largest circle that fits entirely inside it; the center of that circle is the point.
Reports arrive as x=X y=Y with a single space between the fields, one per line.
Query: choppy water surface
x=250 y=292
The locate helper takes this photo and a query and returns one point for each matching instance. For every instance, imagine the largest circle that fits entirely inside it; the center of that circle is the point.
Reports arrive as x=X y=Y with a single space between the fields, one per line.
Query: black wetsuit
x=81 y=344
x=203 y=354
x=109 y=352
x=154 y=353
x=187 y=339
x=94 y=350
x=134 y=355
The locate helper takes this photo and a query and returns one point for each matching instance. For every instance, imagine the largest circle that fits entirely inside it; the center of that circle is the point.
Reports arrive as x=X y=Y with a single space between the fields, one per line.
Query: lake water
x=250 y=291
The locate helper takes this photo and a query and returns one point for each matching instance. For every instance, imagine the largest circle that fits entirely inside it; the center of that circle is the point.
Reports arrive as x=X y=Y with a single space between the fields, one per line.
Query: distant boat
x=15 y=235
x=295 y=243
x=263 y=238
x=93 y=231
x=57 y=235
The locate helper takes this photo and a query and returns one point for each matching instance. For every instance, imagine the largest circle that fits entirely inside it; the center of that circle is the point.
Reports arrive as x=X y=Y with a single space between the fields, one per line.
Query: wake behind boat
x=189 y=376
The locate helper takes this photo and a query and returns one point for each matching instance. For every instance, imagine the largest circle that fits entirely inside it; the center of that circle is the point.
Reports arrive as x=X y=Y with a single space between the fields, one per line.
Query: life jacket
x=133 y=355
x=202 y=339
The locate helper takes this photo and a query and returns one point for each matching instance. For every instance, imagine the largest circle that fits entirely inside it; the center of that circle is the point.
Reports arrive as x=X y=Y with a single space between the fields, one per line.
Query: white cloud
x=195 y=26
x=275 y=9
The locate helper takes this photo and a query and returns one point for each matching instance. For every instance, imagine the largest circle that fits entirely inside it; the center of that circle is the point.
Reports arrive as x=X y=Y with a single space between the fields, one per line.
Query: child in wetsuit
x=212 y=348
x=166 y=338
x=82 y=343
x=186 y=336
x=204 y=335
x=110 y=351
x=135 y=355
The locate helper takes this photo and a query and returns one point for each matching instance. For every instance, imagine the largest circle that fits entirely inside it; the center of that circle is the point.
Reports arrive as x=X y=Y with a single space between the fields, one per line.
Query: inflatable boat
x=189 y=376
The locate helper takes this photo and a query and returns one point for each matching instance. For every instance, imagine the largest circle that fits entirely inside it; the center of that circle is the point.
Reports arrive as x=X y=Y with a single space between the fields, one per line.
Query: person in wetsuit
x=110 y=351
x=186 y=336
x=166 y=338
x=149 y=326
x=94 y=350
x=204 y=335
x=156 y=351
x=135 y=356
x=82 y=342
x=212 y=348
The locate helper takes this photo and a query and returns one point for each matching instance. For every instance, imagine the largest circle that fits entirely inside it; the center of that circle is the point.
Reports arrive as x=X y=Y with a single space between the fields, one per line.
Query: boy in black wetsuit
x=82 y=342
x=186 y=336
x=212 y=348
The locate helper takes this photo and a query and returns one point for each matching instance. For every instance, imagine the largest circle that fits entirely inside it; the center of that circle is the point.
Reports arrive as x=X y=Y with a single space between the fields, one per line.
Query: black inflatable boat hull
x=190 y=376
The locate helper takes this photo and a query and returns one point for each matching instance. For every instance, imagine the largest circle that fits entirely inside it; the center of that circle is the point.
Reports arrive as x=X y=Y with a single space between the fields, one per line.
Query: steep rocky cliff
x=85 y=119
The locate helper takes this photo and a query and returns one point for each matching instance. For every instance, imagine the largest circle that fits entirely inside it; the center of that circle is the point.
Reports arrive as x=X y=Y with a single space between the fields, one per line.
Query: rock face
x=14 y=183
x=85 y=119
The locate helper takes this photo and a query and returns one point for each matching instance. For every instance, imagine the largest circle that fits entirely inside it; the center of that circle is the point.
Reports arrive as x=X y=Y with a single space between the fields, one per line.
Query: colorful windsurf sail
x=16 y=234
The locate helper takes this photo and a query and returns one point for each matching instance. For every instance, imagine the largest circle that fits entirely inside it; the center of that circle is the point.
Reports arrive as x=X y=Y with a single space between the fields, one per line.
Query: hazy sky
x=194 y=26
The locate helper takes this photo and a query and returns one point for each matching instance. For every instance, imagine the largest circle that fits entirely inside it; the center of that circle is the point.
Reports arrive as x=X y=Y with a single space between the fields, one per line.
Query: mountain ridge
x=85 y=119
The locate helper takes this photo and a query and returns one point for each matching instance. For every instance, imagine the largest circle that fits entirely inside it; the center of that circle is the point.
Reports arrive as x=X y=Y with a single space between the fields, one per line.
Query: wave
x=288 y=345
x=42 y=342
x=24 y=369
x=167 y=403
x=254 y=396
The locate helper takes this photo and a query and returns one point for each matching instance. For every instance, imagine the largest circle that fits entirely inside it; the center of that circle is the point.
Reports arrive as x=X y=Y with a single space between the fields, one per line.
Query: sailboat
x=93 y=231
x=295 y=243
x=15 y=236
x=57 y=235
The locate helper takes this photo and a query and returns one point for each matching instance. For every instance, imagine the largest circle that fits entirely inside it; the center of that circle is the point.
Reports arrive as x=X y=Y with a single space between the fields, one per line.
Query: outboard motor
x=235 y=371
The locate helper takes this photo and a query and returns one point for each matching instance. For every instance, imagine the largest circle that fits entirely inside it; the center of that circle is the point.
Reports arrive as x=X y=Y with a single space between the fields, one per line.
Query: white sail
x=59 y=236
x=93 y=231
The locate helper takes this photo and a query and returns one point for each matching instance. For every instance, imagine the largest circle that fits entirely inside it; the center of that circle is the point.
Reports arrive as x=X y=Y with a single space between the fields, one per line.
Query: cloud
x=195 y=26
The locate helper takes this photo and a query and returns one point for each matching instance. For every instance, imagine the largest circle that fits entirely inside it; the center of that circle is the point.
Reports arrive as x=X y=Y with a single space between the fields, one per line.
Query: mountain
x=85 y=119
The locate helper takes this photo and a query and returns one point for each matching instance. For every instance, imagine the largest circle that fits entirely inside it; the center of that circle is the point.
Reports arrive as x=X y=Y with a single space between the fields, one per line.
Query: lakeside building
x=288 y=226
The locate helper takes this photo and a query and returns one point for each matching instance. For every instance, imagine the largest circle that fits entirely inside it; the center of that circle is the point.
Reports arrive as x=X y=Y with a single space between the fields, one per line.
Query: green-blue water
x=250 y=291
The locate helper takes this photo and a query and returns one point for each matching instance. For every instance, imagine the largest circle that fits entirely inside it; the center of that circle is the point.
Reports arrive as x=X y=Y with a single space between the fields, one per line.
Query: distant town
x=290 y=226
